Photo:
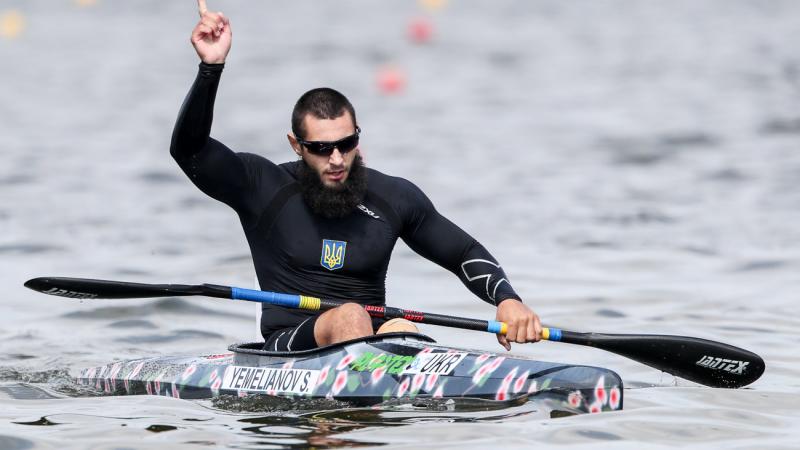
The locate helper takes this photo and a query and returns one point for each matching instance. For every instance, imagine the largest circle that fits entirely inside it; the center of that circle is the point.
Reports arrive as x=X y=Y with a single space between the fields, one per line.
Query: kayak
x=391 y=368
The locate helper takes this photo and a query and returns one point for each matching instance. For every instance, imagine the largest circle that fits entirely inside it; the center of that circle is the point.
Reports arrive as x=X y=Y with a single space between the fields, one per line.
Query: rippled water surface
x=633 y=165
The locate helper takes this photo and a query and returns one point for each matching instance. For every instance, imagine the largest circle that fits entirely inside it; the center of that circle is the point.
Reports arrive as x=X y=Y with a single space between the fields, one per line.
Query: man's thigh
x=296 y=338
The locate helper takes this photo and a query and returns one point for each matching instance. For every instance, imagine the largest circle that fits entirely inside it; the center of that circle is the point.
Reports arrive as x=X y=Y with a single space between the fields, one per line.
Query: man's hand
x=211 y=37
x=523 y=323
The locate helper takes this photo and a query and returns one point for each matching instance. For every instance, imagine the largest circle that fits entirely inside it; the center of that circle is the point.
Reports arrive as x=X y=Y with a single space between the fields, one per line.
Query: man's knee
x=352 y=313
x=398 y=325
x=348 y=321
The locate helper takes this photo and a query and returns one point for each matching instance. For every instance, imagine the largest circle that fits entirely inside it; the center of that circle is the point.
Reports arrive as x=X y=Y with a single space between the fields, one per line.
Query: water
x=633 y=165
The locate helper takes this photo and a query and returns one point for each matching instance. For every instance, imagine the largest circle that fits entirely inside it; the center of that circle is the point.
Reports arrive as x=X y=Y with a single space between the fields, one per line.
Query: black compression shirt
x=298 y=252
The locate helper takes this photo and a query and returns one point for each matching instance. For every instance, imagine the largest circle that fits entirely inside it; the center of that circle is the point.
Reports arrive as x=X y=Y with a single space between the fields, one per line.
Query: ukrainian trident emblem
x=332 y=257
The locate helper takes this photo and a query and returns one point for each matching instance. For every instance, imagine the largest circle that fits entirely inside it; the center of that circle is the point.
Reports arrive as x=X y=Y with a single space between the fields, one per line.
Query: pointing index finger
x=201 y=7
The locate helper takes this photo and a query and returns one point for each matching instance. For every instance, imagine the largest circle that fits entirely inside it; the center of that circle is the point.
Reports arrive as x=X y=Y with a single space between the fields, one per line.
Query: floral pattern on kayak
x=369 y=371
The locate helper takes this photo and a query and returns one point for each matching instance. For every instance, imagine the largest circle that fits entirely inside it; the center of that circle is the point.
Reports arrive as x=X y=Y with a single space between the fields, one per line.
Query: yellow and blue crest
x=332 y=257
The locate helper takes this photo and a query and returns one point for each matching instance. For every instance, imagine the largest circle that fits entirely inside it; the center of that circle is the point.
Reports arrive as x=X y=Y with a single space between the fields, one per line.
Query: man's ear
x=295 y=145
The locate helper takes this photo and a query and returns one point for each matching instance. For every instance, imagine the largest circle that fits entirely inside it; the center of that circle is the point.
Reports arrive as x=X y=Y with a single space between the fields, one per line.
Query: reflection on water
x=334 y=425
x=41 y=422
x=284 y=426
x=320 y=428
x=301 y=432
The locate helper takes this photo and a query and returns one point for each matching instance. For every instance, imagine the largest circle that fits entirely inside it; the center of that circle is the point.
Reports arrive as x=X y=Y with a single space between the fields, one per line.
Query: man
x=325 y=225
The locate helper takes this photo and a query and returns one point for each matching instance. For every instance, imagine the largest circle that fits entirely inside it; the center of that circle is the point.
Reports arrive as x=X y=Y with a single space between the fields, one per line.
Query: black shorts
x=301 y=337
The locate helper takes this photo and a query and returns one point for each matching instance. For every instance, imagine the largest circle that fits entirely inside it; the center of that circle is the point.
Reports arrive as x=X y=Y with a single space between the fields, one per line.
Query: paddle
x=705 y=362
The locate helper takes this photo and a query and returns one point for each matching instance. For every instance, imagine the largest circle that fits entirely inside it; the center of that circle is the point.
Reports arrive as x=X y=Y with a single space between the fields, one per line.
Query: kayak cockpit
x=254 y=353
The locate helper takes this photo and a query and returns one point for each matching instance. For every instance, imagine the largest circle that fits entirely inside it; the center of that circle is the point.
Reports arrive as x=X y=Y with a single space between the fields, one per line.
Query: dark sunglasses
x=326 y=148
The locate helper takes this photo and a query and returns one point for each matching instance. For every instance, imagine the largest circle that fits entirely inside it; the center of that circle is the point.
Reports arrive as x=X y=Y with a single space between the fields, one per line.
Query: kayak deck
x=392 y=367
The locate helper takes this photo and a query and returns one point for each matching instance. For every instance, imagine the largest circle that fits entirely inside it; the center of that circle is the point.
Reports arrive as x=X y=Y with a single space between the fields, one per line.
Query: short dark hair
x=322 y=103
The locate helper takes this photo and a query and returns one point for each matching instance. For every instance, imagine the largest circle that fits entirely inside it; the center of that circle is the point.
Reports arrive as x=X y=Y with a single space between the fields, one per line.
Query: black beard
x=333 y=203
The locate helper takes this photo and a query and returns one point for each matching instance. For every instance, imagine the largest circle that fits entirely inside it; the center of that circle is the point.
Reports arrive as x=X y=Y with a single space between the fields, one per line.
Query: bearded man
x=325 y=225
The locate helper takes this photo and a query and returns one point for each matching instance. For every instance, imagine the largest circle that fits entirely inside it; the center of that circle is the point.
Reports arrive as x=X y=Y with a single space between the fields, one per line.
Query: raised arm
x=210 y=165
x=211 y=39
x=436 y=238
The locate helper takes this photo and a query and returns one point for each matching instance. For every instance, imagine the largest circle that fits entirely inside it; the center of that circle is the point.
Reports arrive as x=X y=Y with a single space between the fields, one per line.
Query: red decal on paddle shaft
x=414 y=316
x=376 y=311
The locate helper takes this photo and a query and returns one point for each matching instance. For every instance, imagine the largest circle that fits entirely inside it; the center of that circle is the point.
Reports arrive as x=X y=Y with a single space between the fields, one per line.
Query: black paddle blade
x=85 y=288
x=705 y=362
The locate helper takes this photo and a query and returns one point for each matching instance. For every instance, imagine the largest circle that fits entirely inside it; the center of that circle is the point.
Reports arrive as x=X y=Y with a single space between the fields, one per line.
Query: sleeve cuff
x=211 y=69
x=503 y=297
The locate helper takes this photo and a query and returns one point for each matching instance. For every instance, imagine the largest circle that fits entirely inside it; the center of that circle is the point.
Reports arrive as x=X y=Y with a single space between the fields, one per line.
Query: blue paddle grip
x=494 y=326
x=555 y=334
x=273 y=298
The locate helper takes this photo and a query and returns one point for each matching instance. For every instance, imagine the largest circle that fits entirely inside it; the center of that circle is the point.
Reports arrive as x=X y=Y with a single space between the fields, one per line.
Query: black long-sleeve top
x=289 y=242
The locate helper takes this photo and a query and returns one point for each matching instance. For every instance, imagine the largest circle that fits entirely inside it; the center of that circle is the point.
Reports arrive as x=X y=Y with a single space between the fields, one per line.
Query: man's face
x=333 y=170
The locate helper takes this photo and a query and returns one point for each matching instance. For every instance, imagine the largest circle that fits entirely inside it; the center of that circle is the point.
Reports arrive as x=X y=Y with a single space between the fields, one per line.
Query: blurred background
x=633 y=165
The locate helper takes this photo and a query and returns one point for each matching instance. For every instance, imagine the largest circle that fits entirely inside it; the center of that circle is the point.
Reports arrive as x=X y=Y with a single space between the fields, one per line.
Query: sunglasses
x=320 y=148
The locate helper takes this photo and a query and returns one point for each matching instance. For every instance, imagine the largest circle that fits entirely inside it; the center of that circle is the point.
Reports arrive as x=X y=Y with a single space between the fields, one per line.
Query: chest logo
x=332 y=257
x=367 y=211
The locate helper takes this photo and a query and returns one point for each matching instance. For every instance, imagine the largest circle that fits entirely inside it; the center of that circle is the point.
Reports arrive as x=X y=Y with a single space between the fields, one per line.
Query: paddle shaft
x=702 y=361
x=385 y=312
x=80 y=288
